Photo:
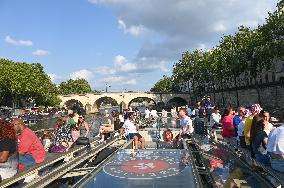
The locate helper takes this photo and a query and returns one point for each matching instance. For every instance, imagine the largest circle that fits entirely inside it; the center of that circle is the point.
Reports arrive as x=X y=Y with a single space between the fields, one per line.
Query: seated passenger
x=46 y=140
x=275 y=147
x=215 y=118
x=8 y=150
x=259 y=142
x=83 y=127
x=186 y=128
x=62 y=134
x=30 y=148
x=106 y=125
x=131 y=127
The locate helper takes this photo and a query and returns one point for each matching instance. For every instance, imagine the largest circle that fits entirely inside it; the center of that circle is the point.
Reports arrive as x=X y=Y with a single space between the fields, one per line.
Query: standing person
x=147 y=113
x=209 y=106
x=237 y=119
x=275 y=146
x=121 y=119
x=186 y=128
x=215 y=118
x=138 y=114
x=201 y=112
x=227 y=123
x=174 y=116
x=106 y=125
x=8 y=150
x=154 y=113
x=188 y=110
x=164 y=116
x=240 y=134
x=259 y=141
x=116 y=120
x=83 y=127
x=131 y=130
x=255 y=110
x=30 y=148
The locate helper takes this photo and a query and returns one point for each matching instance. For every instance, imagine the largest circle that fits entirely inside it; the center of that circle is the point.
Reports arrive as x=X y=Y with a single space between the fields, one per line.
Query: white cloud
x=52 y=77
x=131 y=82
x=117 y=80
x=40 y=52
x=84 y=74
x=119 y=60
x=15 y=42
x=133 y=29
x=184 y=24
x=104 y=70
x=219 y=27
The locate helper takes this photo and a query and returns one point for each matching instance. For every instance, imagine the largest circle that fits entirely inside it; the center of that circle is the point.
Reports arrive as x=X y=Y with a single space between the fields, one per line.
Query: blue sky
x=128 y=44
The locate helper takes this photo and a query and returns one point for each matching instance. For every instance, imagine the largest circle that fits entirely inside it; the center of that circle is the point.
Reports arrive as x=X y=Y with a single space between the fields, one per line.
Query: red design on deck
x=144 y=166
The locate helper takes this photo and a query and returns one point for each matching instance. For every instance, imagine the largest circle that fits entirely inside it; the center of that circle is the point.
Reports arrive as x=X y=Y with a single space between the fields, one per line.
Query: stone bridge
x=92 y=101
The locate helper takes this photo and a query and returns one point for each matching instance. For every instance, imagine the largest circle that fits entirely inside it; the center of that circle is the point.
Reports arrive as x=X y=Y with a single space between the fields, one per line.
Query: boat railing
x=23 y=174
x=49 y=177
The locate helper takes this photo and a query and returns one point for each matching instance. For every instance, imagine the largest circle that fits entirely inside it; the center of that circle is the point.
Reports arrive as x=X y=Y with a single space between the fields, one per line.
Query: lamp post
x=107 y=87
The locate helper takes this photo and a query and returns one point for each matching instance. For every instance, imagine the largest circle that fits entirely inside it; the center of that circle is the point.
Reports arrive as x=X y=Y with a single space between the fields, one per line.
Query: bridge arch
x=144 y=101
x=73 y=103
x=176 y=101
x=104 y=101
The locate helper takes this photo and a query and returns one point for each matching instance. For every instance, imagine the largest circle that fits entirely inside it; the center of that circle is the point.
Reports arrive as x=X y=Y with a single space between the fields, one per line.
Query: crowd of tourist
x=250 y=126
x=20 y=147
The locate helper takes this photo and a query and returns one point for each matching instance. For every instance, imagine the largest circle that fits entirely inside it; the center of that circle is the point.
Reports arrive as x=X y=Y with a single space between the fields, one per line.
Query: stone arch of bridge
x=104 y=101
x=147 y=101
x=72 y=103
x=176 y=101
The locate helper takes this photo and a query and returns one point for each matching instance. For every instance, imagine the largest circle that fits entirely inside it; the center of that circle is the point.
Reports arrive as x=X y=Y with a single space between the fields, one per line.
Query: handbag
x=83 y=141
x=57 y=149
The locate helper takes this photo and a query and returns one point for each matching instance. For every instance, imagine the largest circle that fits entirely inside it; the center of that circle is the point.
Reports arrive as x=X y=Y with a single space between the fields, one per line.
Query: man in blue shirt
x=237 y=119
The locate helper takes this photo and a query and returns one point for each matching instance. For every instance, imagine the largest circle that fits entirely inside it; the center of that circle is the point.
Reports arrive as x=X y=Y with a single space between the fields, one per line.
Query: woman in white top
x=215 y=118
x=275 y=146
x=131 y=129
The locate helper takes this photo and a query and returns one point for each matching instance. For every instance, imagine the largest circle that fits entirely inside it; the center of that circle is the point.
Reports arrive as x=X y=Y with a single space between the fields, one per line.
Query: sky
x=127 y=44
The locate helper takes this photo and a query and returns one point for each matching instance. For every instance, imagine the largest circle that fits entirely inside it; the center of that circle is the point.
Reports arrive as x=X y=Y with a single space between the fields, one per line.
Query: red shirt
x=30 y=144
x=228 y=126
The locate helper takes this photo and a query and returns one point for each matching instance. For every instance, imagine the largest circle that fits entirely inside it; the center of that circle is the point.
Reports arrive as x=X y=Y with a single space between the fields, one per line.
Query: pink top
x=228 y=126
x=30 y=144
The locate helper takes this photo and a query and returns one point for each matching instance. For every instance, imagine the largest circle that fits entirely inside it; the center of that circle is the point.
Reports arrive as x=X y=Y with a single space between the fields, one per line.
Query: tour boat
x=202 y=161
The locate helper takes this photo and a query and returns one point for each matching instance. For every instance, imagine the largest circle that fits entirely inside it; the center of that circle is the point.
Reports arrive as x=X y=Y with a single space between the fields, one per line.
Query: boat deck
x=149 y=168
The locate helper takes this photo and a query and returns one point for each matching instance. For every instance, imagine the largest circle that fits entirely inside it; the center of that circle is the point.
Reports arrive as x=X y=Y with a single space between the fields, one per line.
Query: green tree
x=248 y=53
x=22 y=83
x=79 y=86
x=163 y=85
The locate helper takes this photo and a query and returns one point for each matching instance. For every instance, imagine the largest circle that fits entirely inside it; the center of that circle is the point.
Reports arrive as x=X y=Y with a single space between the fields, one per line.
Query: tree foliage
x=239 y=57
x=163 y=85
x=79 y=86
x=23 y=83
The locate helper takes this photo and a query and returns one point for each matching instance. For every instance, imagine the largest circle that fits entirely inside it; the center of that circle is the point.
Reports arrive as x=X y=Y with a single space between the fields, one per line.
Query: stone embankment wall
x=271 y=97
